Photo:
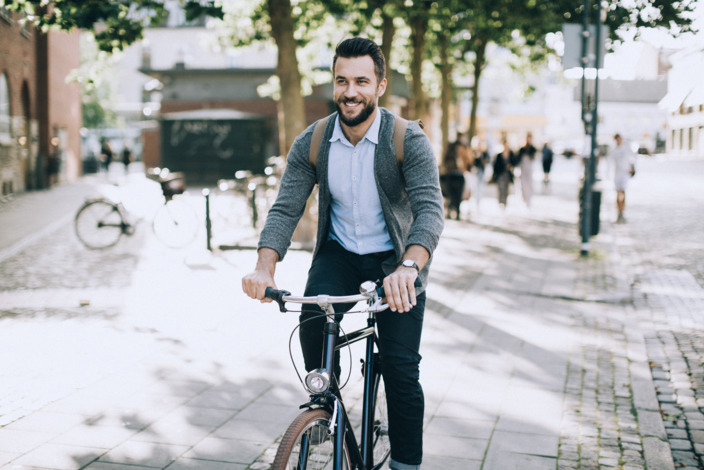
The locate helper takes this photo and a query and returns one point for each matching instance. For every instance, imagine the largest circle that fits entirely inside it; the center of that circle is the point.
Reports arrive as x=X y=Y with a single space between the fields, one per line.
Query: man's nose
x=351 y=90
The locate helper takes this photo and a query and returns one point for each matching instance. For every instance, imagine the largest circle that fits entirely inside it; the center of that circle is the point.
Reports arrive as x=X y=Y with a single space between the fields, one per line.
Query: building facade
x=40 y=113
x=684 y=103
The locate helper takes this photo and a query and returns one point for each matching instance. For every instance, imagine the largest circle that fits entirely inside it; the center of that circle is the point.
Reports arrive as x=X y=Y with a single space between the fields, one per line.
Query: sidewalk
x=533 y=358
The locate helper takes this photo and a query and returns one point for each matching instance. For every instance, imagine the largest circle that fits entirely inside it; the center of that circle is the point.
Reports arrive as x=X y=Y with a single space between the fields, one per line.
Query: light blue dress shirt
x=356 y=219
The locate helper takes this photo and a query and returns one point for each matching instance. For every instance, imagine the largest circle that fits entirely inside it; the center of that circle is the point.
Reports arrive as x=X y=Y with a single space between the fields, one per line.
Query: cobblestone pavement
x=533 y=360
x=663 y=251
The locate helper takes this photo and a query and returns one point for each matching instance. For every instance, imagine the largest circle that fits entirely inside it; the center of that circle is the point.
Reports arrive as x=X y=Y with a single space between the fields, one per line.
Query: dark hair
x=359 y=47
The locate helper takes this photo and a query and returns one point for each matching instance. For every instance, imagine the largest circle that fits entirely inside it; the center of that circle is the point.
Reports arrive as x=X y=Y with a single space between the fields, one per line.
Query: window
x=4 y=109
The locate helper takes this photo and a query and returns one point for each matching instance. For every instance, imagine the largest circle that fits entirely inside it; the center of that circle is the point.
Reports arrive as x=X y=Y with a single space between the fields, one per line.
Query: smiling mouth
x=351 y=103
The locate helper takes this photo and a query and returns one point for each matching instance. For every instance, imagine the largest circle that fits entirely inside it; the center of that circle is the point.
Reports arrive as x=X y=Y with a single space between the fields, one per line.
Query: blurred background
x=209 y=88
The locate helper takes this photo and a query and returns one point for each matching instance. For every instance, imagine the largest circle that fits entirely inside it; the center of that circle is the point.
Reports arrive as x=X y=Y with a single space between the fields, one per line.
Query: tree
x=448 y=41
x=97 y=91
x=503 y=22
x=115 y=24
x=292 y=108
x=418 y=17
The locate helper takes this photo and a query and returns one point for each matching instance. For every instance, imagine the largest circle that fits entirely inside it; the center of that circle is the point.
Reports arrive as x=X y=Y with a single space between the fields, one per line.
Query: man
x=526 y=155
x=547 y=164
x=623 y=161
x=378 y=219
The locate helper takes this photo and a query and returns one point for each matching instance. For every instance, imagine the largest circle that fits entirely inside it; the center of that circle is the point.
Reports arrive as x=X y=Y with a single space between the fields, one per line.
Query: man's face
x=356 y=90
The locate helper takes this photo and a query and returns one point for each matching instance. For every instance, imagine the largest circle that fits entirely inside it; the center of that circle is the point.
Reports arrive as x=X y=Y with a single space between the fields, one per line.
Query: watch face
x=410 y=264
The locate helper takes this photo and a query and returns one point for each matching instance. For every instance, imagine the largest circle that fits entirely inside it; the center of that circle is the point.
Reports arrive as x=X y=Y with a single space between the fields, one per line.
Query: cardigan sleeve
x=296 y=186
x=420 y=172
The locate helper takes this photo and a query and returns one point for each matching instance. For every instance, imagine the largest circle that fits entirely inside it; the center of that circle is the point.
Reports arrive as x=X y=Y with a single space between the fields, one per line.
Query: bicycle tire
x=175 y=224
x=99 y=224
x=312 y=425
x=381 y=443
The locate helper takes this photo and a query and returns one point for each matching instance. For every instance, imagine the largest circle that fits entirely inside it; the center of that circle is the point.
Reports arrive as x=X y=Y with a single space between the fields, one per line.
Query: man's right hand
x=255 y=283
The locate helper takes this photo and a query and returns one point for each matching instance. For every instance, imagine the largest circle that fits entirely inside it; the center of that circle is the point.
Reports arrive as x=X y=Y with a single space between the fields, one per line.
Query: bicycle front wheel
x=306 y=444
x=380 y=431
x=99 y=224
x=175 y=224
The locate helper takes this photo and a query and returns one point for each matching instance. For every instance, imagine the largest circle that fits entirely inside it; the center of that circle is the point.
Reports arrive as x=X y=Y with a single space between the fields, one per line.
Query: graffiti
x=192 y=138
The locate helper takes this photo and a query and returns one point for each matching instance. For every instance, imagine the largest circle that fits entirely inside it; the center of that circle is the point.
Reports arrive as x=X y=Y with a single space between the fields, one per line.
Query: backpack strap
x=317 y=139
x=399 y=134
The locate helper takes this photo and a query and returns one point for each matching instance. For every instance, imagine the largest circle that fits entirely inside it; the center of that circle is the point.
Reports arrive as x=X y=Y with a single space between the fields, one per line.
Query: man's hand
x=400 y=290
x=399 y=286
x=255 y=283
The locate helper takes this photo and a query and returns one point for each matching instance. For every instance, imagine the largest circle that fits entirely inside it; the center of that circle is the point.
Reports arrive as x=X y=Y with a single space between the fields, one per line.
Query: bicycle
x=101 y=222
x=322 y=437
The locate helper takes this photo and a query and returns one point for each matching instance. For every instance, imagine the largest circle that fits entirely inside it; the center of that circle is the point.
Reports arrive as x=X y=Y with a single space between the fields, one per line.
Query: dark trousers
x=336 y=271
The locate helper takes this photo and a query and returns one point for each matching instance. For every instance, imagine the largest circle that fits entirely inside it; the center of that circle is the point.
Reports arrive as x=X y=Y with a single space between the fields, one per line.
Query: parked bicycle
x=101 y=222
x=237 y=207
x=322 y=437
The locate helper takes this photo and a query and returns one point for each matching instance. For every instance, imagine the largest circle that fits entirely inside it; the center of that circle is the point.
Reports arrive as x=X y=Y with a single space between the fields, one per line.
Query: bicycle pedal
x=381 y=429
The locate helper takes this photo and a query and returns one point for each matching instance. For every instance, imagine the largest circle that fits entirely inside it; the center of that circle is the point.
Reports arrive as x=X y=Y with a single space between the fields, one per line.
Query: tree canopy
x=115 y=23
x=446 y=33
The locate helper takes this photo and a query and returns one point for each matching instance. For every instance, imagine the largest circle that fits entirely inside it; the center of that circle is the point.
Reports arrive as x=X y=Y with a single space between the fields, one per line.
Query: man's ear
x=381 y=89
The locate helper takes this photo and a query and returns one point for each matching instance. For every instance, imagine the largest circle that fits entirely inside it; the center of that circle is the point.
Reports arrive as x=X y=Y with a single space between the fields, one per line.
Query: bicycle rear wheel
x=382 y=446
x=175 y=224
x=99 y=224
x=306 y=444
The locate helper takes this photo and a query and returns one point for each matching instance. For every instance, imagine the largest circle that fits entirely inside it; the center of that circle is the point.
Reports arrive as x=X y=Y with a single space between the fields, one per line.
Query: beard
x=366 y=111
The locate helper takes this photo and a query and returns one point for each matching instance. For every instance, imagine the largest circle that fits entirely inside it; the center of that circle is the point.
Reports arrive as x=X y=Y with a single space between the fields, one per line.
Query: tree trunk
x=387 y=36
x=419 y=25
x=292 y=116
x=479 y=63
x=446 y=91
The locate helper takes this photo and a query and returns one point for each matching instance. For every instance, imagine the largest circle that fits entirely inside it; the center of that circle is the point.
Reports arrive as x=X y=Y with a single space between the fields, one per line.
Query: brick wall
x=17 y=62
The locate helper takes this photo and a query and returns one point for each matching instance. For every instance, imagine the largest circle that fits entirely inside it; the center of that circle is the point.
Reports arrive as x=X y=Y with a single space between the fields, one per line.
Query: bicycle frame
x=333 y=342
x=361 y=457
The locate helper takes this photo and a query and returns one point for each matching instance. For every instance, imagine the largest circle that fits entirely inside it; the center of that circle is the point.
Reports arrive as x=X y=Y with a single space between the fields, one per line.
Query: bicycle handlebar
x=367 y=293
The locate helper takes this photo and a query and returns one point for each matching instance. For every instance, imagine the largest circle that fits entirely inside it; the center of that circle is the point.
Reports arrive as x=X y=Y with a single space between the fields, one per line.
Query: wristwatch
x=409 y=263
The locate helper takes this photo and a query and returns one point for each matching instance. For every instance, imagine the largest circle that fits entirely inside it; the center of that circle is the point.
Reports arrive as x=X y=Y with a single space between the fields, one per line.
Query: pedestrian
x=547 y=165
x=452 y=170
x=378 y=218
x=503 y=172
x=623 y=161
x=481 y=160
x=526 y=155
x=106 y=154
x=126 y=158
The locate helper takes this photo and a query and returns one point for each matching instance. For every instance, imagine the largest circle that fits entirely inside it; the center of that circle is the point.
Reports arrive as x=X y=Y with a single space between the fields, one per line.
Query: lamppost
x=590 y=118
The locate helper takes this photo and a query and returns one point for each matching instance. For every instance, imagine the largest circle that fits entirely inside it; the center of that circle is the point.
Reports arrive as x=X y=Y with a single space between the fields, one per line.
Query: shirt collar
x=372 y=134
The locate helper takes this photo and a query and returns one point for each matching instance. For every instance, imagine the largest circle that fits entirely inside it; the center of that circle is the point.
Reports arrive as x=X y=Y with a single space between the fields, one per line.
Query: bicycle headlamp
x=317 y=381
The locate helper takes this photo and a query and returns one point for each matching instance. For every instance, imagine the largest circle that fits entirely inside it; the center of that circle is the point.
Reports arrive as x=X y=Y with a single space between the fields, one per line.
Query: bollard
x=206 y=194
x=255 y=216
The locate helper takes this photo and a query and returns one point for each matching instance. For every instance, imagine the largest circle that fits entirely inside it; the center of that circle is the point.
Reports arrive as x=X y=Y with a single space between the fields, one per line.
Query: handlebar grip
x=380 y=290
x=277 y=296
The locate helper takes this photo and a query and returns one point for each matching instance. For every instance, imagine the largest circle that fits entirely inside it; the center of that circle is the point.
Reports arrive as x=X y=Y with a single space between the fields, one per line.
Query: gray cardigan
x=410 y=197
